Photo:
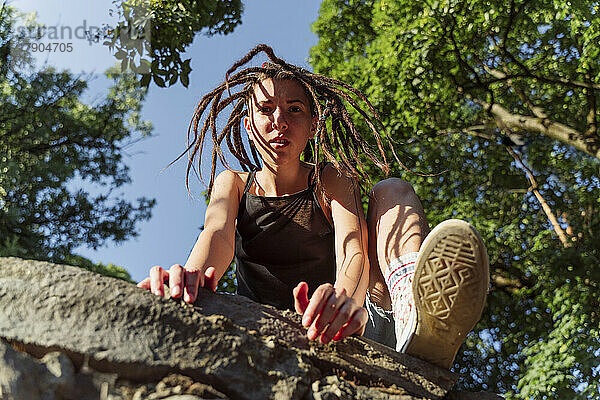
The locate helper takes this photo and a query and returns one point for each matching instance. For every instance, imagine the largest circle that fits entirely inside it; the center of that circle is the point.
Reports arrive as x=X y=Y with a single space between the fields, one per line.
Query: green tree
x=50 y=142
x=152 y=34
x=504 y=95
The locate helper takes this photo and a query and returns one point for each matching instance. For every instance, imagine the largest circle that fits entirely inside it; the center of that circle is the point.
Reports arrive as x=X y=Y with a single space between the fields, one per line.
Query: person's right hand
x=181 y=281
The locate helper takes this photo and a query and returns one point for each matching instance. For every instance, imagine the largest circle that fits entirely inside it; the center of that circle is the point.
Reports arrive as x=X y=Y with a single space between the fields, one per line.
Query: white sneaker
x=449 y=286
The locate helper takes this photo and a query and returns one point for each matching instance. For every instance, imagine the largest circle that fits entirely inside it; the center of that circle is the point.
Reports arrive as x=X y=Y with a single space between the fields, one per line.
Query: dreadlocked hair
x=340 y=144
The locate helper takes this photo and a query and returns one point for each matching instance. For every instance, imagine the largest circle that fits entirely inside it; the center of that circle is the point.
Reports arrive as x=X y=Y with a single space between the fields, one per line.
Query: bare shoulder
x=336 y=184
x=228 y=182
x=343 y=199
x=230 y=176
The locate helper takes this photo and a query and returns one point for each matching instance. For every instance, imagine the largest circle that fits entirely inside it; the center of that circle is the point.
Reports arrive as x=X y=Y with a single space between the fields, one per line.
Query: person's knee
x=392 y=188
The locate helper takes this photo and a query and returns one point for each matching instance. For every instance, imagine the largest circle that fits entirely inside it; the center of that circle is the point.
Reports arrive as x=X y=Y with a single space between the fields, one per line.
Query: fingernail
x=175 y=291
x=312 y=333
x=305 y=322
x=186 y=297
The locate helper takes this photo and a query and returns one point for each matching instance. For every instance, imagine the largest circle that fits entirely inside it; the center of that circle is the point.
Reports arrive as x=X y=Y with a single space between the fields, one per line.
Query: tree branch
x=555 y=80
x=510 y=22
x=482 y=131
x=461 y=61
x=506 y=284
x=534 y=188
x=528 y=74
x=509 y=279
x=544 y=126
x=569 y=229
x=591 y=134
x=537 y=111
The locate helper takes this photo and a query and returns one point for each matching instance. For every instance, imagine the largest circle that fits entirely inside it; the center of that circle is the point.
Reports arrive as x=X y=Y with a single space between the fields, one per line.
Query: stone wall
x=66 y=333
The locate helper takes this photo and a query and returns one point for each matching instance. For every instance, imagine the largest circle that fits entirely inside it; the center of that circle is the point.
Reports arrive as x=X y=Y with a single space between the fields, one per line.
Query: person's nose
x=279 y=120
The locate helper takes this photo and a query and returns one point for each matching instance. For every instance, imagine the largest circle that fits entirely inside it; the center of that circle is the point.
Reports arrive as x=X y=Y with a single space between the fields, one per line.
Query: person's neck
x=281 y=180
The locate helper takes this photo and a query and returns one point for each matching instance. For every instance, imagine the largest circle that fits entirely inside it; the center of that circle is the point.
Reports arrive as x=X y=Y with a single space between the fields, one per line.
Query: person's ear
x=248 y=127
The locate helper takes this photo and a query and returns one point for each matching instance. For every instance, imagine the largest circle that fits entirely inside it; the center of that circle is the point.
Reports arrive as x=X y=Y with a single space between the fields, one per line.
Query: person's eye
x=295 y=109
x=265 y=109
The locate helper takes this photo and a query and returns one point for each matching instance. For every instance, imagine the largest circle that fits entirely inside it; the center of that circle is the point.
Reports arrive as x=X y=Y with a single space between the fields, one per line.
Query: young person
x=296 y=226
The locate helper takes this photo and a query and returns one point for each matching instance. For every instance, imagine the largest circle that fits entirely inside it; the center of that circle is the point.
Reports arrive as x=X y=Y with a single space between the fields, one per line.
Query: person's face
x=280 y=121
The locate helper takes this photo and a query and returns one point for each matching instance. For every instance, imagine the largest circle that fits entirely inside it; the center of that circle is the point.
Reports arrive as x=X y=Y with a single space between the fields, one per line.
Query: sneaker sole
x=450 y=286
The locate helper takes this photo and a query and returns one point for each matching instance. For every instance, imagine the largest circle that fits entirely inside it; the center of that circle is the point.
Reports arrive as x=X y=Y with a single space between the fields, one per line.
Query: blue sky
x=171 y=232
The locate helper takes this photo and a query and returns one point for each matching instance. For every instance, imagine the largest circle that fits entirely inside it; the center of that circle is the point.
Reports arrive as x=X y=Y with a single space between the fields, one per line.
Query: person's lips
x=279 y=142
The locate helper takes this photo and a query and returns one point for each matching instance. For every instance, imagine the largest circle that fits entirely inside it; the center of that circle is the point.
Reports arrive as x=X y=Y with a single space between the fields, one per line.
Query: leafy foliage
x=162 y=29
x=504 y=96
x=228 y=282
x=104 y=269
x=49 y=142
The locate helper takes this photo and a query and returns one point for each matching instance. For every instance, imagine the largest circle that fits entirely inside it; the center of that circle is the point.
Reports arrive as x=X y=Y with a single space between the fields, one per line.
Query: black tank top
x=279 y=242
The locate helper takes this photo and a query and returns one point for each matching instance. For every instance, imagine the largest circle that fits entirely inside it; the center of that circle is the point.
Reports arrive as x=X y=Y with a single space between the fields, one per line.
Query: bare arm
x=214 y=249
x=351 y=234
x=335 y=311
x=216 y=243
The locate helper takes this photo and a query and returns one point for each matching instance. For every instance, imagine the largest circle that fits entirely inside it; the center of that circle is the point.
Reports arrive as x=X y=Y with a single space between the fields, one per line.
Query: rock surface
x=81 y=335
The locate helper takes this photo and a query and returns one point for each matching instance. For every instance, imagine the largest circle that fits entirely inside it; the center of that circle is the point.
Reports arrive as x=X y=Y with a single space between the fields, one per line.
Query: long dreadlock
x=340 y=145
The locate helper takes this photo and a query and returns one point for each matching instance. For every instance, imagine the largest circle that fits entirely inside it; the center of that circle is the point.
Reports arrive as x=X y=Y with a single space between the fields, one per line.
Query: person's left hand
x=330 y=313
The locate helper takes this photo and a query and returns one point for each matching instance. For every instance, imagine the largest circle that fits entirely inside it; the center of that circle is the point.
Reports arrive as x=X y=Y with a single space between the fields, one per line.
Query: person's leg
x=397 y=227
x=432 y=313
